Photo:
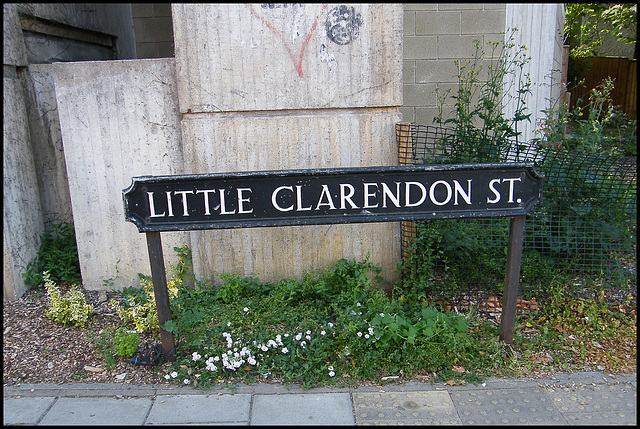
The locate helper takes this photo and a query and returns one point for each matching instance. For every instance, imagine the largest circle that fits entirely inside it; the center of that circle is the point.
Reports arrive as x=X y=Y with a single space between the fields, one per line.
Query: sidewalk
x=591 y=398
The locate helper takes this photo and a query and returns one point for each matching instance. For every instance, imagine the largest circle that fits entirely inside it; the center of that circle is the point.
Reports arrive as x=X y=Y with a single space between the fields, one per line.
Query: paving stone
x=404 y=408
x=200 y=409
x=601 y=419
x=97 y=411
x=506 y=406
x=609 y=404
x=302 y=409
x=25 y=411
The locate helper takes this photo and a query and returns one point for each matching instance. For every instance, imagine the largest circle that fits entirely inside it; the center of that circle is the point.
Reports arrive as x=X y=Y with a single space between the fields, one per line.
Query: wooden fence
x=623 y=70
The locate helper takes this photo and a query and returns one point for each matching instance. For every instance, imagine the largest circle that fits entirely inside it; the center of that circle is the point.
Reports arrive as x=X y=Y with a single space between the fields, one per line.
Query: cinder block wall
x=435 y=35
x=154 y=29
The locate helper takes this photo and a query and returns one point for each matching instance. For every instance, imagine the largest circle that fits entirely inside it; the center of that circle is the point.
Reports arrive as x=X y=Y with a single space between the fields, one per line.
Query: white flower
x=370 y=330
x=264 y=348
x=279 y=339
x=366 y=336
x=251 y=361
x=359 y=334
x=303 y=344
x=330 y=324
x=298 y=337
x=216 y=358
x=228 y=323
x=308 y=337
x=285 y=350
x=174 y=374
x=308 y=332
x=358 y=304
x=322 y=333
x=186 y=381
x=167 y=376
x=245 y=309
x=331 y=374
x=330 y=368
x=195 y=356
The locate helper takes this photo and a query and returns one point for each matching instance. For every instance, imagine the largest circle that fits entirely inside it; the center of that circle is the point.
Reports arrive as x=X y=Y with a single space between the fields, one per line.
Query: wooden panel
x=620 y=69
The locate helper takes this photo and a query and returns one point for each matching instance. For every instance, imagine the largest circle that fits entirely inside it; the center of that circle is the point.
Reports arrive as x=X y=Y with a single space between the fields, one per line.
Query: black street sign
x=325 y=196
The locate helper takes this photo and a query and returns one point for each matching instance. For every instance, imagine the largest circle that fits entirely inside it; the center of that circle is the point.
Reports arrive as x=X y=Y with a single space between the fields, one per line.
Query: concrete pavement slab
x=25 y=411
x=405 y=408
x=98 y=411
x=506 y=406
x=597 y=404
x=302 y=409
x=200 y=409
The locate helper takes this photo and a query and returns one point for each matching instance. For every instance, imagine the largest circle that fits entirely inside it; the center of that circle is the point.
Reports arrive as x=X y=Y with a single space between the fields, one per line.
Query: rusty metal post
x=154 y=244
x=512 y=279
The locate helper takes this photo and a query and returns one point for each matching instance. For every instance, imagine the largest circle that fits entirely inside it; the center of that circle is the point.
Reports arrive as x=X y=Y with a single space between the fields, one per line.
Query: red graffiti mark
x=297 y=63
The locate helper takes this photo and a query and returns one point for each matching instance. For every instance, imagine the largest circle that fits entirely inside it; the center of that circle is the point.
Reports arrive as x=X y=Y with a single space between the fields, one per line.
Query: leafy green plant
x=70 y=309
x=482 y=131
x=584 y=25
x=139 y=306
x=126 y=343
x=326 y=328
x=104 y=342
x=58 y=255
x=595 y=127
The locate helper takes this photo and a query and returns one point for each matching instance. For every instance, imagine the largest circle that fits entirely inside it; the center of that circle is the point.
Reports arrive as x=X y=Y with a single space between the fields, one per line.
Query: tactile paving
x=506 y=406
x=404 y=408
x=597 y=405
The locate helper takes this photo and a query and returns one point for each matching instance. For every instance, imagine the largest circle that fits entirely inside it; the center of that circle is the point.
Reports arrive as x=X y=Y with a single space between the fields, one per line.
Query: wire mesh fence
x=584 y=229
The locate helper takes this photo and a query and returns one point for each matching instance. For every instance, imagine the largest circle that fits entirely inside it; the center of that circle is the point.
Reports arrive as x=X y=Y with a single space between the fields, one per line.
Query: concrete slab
x=405 y=408
x=601 y=419
x=599 y=404
x=302 y=409
x=98 y=411
x=506 y=406
x=200 y=409
x=25 y=411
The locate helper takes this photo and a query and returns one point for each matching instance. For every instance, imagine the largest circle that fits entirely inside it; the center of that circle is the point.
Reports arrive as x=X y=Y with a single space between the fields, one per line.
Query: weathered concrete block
x=46 y=140
x=243 y=142
x=429 y=23
x=237 y=57
x=119 y=119
x=22 y=213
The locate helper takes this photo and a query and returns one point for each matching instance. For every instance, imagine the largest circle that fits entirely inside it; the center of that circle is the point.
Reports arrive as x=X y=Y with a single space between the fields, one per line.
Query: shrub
x=126 y=343
x=71 y=309
x=58 y=255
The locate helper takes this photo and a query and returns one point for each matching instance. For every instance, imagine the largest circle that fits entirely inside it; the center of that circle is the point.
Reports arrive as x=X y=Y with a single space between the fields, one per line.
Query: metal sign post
x=328 y=196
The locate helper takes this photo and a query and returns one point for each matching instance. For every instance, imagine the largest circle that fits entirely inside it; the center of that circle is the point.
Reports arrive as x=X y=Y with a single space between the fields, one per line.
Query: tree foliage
x=586 y=24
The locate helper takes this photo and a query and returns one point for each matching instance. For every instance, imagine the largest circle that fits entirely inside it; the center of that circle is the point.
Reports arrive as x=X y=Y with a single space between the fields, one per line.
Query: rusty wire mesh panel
x=585 y=226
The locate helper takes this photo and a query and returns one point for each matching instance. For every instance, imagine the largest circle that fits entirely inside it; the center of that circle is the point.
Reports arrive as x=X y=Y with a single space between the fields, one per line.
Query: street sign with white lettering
x=346 y=195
